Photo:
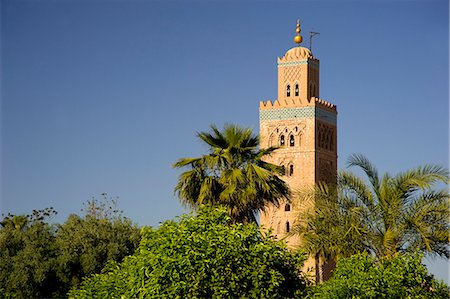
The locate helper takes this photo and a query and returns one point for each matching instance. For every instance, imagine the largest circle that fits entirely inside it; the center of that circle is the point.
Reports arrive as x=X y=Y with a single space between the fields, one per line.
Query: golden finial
x=298 y=38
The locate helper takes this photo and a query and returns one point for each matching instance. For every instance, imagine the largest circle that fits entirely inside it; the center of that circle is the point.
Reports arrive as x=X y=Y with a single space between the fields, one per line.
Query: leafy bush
x=201 y=257
x=360 y=276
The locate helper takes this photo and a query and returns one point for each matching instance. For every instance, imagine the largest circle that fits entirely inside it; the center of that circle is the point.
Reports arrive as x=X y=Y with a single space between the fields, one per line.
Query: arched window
x=291 y=140
x=291 y=170
x=288 y=91
x=287 y=227
x=282 y=140
x=287 y=207
x=297 y=90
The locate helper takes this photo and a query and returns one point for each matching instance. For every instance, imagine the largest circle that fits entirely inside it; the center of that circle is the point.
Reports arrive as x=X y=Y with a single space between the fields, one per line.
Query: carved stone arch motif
x=313 y=90
x=326 y=137
x=325 y=171
x=301 y=127
x=270 y=140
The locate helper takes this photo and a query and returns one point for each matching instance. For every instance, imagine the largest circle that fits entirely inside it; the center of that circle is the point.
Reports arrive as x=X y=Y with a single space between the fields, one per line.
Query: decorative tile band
x=298 y=62
x=297 y=113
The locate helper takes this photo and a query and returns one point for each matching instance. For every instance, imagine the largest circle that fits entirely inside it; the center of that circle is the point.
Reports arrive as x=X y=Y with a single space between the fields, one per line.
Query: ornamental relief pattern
x=286 y=135
x=291 y=74
x=325 y=171
x=325 y=138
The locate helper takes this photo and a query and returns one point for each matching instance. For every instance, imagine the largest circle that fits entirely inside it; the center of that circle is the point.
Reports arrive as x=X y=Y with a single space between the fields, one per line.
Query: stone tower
x=303 y=126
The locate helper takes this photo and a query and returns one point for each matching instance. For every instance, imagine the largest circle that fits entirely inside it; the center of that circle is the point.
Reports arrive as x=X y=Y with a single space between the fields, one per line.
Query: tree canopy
x=28 y=256
x=86 y=244
x=401 y=276
x=387 y=215
x=233 y=174
x=43 y=260
x=205 y=256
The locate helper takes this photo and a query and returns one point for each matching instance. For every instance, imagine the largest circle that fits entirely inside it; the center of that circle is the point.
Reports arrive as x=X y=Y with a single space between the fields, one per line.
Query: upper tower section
x=298 y=73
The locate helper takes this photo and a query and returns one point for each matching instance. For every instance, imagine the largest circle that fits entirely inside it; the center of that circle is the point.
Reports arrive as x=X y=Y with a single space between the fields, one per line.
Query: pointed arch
x=291 y=140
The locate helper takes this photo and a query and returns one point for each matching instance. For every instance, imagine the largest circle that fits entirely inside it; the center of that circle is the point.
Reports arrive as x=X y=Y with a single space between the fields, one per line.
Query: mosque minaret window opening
x=287 y=207
x=291 y=140
x=291 y=170
x=288 y=228
x=288 y=90
x=297 y=91
x=282 y=141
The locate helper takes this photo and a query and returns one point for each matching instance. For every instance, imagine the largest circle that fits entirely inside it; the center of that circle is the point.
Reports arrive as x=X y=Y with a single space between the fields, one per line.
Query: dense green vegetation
x=377 y=231
x=233 y=174
x=387 y=216
x=40 y=260
x=206 y=256
x=399 y=276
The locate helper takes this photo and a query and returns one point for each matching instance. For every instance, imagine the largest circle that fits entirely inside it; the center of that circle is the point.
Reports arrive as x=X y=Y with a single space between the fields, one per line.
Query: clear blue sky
x=103 y=96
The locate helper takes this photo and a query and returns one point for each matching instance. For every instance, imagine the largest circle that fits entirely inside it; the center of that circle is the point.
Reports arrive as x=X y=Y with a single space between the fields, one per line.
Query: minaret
x=304 y=128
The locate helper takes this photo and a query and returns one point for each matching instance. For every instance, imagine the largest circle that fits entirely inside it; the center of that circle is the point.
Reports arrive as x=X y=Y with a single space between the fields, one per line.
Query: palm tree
x=233 y=174
x=331 y=226
x=389 y=215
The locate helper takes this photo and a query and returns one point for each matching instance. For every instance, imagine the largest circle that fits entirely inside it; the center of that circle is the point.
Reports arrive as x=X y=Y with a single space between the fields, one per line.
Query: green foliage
x=39 y=260
x=361 y=276
x=331 y=227
x=201 y=257
x=233 y=174
x=384 y=216
x=86 y=245
x=28 y=256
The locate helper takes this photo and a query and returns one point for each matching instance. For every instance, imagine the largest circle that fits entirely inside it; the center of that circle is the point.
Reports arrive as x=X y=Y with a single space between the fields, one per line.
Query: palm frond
x=369 y=169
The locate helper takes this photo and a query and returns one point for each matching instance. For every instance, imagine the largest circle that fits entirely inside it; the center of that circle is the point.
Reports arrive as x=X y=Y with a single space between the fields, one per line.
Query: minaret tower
x=304 y=128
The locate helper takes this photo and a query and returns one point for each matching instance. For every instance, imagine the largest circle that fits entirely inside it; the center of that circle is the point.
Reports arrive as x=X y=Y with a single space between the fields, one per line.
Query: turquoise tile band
x=297 y=113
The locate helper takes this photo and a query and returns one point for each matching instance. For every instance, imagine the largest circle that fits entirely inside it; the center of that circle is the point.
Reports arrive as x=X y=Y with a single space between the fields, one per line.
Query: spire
x=298 y=38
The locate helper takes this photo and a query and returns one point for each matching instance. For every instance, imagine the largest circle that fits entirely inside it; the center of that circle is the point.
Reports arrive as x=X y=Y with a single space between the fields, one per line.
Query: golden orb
x=298 y=39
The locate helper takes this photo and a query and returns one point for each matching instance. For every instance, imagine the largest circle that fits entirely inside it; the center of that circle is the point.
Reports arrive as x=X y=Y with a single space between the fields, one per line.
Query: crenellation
x=324 y=103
